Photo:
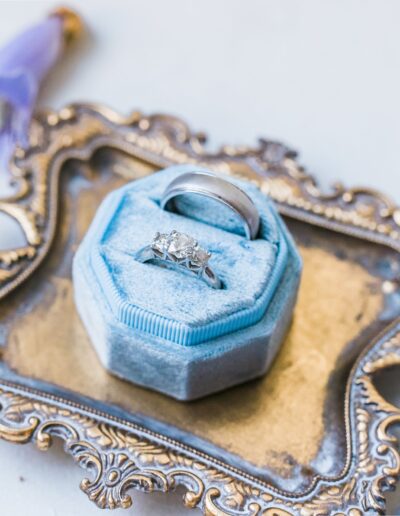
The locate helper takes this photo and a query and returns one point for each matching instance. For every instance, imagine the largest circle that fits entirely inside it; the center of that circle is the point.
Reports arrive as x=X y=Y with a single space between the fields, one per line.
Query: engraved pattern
x=120 y=456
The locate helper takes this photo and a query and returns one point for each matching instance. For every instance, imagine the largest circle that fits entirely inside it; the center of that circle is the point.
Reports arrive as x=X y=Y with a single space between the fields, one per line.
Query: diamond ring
x=181 y=252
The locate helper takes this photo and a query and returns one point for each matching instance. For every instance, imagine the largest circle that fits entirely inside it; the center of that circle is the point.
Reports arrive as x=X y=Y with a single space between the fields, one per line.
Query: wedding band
x=181 y=252
x=221 y=190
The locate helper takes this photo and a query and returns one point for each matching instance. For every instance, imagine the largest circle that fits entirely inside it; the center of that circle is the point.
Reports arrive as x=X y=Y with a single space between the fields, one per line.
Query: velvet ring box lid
x=168 y=330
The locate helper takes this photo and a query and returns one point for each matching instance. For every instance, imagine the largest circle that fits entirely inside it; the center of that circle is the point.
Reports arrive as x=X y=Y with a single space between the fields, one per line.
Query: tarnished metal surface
x=291 y=443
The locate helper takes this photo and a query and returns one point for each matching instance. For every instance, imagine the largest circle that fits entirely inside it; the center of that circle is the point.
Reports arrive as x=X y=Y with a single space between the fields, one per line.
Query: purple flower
x=24 y=63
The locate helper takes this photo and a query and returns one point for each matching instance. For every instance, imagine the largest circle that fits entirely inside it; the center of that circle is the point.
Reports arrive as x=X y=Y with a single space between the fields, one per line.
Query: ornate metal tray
x=311 y=438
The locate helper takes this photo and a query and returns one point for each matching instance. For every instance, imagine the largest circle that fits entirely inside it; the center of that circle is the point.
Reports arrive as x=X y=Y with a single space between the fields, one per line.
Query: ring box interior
x=168 y=330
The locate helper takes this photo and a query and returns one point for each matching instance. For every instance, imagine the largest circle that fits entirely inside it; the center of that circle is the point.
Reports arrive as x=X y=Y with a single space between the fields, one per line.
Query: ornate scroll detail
x=118 y=459
x=78 y=130
x=120 y=456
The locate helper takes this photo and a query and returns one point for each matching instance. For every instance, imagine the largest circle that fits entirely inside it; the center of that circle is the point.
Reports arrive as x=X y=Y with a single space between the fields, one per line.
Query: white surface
x=321 y=76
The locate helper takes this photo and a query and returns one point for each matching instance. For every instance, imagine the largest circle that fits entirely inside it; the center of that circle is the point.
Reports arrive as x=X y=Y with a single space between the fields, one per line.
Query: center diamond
x=181 y=245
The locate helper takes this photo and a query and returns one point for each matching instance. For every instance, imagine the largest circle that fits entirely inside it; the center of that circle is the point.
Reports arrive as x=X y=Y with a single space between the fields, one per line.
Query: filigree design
x=118 y=459
x=121 y=456
x=115 y=474
x=78 y=130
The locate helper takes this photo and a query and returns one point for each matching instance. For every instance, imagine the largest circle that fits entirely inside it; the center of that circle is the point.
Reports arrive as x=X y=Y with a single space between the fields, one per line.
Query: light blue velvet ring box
x=168 y=330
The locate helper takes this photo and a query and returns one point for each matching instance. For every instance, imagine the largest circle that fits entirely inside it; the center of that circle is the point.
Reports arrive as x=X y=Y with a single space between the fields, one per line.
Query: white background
x=321 y=76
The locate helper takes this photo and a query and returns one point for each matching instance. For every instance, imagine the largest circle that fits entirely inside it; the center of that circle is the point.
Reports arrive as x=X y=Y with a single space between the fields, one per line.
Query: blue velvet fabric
x=171 y=304
x=163 y=328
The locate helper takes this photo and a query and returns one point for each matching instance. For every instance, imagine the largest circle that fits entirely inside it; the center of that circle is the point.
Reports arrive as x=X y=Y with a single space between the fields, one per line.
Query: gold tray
x=311 y=438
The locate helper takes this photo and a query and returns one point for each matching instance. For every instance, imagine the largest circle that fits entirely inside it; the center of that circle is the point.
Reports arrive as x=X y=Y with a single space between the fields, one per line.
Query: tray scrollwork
x=120 y=455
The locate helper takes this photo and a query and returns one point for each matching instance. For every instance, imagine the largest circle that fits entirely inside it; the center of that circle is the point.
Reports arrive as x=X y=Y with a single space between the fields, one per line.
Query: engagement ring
x=181 y=252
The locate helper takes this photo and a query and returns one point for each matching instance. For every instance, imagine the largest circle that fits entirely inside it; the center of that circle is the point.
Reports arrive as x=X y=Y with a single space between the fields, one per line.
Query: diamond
x=178 y=247
x=181 y=245
x=160 y=242
x=200 y=257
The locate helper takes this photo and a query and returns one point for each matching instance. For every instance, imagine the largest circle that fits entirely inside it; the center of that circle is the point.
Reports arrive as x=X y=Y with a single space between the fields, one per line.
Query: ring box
x=167 y=330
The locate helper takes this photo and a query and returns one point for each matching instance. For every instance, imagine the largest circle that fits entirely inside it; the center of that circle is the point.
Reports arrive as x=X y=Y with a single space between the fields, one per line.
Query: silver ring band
x=221 y=190
x=181 y=252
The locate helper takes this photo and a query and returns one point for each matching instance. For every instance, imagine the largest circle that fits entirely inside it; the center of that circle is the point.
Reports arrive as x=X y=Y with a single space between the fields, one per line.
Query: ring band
x=181 y=252
x=209 y=185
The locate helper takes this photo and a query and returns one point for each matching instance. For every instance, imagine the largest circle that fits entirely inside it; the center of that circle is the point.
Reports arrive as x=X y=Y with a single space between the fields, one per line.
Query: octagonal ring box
x=166 y=329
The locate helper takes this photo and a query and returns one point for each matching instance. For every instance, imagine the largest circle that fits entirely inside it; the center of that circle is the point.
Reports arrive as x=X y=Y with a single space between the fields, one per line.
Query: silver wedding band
x=221 y=190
